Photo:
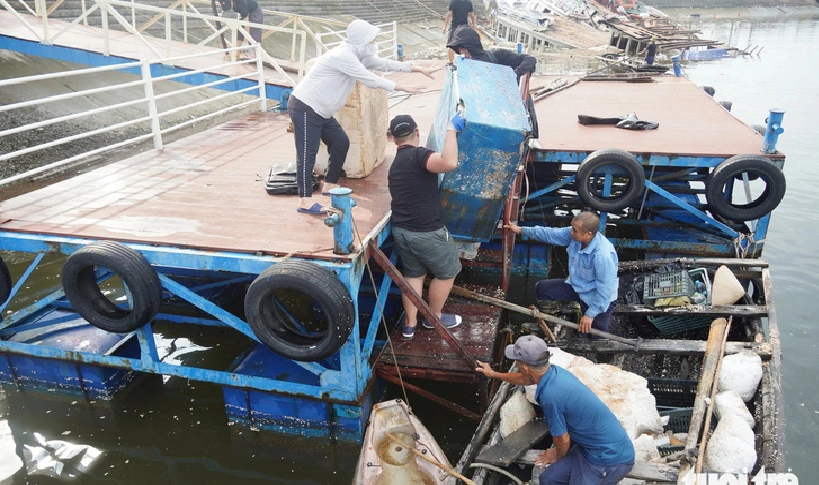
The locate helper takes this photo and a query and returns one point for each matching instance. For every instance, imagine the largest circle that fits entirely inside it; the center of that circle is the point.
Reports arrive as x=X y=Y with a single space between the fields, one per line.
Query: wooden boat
x=676 y=354
x=392 y=444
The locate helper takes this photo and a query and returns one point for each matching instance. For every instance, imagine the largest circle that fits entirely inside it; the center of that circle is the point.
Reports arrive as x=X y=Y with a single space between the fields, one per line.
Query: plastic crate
x=666 y=285
x=671 y=324
x=679 y=421
x=672 y=392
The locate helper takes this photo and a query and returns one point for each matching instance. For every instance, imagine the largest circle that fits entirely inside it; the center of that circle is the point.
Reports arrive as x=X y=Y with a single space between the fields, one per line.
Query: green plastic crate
x=666 y=285
x=671 y=324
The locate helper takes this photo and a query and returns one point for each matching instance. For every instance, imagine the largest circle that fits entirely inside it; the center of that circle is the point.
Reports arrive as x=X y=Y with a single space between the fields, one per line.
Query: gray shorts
x=421 y=251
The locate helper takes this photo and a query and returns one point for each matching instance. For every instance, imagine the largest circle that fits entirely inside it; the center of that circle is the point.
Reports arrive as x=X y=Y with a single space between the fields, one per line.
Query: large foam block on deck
x=365 y=120
x=65 y=330
x=291 y=414
x=490 y=148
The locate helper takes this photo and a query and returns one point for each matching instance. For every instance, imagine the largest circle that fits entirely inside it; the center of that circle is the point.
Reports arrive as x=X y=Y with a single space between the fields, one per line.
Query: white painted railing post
x=168 y=34
x=296 y=22
x=42 y=11
x=149 y=97
x=85 y=17
x=302 y=54
x=395 y=40
x=185 y=22
x=260 y=72
x=105 y=32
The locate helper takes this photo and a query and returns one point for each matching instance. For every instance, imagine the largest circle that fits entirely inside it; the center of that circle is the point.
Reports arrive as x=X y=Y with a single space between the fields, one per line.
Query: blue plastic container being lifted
x=490 y=148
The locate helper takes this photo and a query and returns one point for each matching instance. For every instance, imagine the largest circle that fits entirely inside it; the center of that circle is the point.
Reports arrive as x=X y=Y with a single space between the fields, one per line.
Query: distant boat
x=383 y=461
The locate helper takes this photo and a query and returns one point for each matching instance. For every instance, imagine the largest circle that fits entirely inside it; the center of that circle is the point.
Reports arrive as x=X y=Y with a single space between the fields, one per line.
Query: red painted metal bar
x=510 y=214
x=375 y=252
x=428 y=395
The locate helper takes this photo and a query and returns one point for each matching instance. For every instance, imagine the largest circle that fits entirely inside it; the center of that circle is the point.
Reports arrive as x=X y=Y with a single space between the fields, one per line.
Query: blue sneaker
x=407 y=332
x=450 y=320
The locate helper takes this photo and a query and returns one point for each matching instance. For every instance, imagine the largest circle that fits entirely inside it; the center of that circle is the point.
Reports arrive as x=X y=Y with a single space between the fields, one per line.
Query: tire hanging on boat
x=621 y=165
x=5 y=282
x=289 y=290
x=756 y=167
x=138 y=276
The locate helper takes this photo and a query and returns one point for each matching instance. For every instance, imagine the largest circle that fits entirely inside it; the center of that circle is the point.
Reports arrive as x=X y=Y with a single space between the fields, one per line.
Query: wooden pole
x=713 y=347
x=434 y=462
x=457 y=290
x=707 y=426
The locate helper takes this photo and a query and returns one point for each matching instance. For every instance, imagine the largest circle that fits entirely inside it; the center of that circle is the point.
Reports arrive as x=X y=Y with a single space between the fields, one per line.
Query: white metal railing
x=138 y=18
x=107 y=9
x=153 y=116
x=386 y=40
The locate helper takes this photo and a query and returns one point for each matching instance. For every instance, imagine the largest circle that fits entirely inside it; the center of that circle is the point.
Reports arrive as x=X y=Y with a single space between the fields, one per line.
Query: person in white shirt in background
x=323 y=92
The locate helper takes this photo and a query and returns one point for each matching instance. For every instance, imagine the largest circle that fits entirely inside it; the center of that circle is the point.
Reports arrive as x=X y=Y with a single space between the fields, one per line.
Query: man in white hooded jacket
x=323 y=92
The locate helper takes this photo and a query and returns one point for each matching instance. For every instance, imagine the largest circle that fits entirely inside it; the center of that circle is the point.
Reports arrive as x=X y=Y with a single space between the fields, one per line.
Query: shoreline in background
x=755 y=12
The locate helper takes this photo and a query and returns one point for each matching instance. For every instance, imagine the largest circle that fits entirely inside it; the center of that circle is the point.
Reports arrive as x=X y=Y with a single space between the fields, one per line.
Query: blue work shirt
x=592 y=270
x=569 y=406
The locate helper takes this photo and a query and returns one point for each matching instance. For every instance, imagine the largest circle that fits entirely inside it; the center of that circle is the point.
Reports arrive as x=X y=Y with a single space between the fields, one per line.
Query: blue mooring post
x=675 y=65
x=399 y=52
x=340 y=220
x=520 y=48
x=774 y=130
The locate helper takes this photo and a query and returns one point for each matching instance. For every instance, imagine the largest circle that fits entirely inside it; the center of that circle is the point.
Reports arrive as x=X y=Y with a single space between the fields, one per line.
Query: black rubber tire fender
x=756 y=166
x=5 y=282
x=272 y=327
x=81 y=288
x=625 y=164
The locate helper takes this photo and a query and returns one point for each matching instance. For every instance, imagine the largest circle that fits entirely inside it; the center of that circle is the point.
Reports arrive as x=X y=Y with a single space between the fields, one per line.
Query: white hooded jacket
x=329 y=83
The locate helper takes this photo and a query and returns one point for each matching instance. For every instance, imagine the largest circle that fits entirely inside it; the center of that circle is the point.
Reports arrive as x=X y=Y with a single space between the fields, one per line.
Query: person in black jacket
x=248 y=10
x=467 y=42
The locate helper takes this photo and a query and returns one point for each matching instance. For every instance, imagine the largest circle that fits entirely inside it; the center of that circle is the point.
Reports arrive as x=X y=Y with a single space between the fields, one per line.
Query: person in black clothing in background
x=650 y=51
x=421 y=239
x=248 y=10
x=467 y=42
x=457 y=13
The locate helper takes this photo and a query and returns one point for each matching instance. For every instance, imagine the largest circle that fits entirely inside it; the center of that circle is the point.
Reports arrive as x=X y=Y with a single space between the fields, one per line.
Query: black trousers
x=311 y=129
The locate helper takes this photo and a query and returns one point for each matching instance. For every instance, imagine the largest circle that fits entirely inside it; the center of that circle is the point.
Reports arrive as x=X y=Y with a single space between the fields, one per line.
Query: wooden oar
x=434 y=462
x=457 y=290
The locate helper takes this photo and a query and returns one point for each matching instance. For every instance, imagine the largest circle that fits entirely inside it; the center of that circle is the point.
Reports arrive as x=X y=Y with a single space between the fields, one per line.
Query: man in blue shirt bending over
x=592 y=280
x=602 y=453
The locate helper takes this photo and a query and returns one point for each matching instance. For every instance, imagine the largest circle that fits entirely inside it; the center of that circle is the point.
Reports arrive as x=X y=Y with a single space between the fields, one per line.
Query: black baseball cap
x=402 y=125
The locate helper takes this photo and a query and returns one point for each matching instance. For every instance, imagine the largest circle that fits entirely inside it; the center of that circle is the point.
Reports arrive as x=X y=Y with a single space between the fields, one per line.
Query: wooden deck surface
x=206 y=191
x=428 y=355
x=691 y=122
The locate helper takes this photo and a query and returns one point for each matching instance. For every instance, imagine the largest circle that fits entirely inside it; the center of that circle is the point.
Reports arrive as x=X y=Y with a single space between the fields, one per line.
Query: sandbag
x=725 y=289
x=730 y=402
x=742 y=373
x=516 y=412
x=731 y=447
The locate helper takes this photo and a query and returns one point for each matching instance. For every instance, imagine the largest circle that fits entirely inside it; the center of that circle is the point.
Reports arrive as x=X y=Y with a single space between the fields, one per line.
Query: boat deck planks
x=205 y=191
x=517 y=443
x=691 y=123
x=428 y=355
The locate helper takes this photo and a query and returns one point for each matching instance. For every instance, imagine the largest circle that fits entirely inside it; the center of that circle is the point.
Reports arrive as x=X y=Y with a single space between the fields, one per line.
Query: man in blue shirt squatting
x=602 y=453
x=592 y=280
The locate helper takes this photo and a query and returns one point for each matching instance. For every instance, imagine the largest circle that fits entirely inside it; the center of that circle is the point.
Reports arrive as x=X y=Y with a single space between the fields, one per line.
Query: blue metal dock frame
x=343 y=380
x=749 y=245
